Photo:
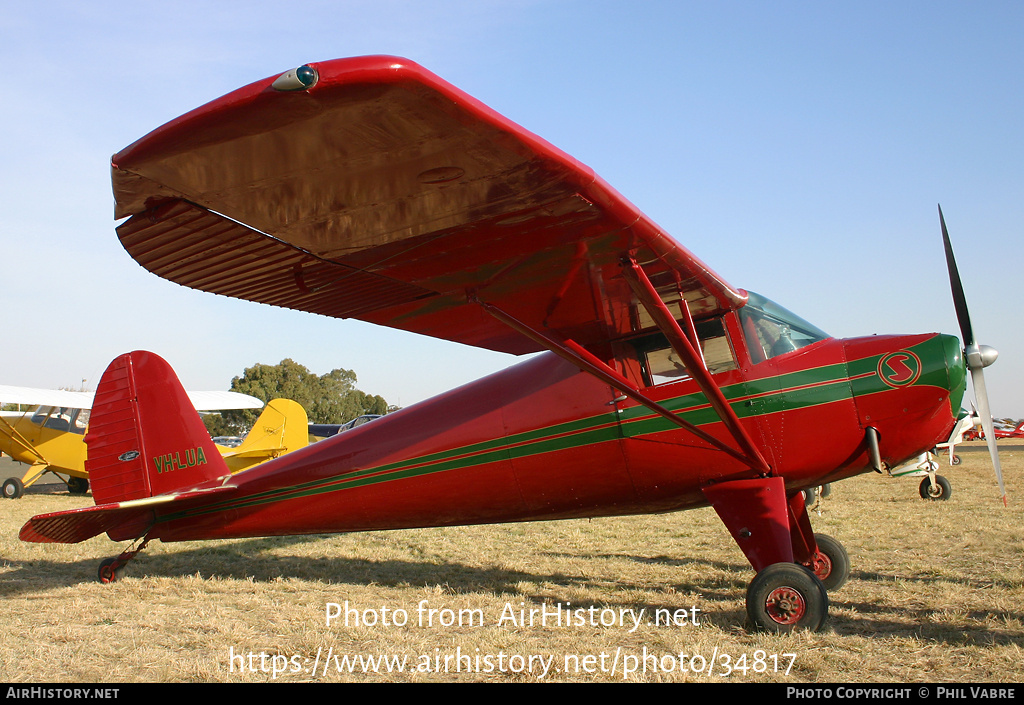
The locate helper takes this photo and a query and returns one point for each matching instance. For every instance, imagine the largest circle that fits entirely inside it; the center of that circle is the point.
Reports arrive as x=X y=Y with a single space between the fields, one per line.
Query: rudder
x=145 y=438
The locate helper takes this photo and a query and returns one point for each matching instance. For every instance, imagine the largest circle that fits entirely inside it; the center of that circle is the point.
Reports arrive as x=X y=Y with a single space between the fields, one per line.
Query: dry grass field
x=936 y=595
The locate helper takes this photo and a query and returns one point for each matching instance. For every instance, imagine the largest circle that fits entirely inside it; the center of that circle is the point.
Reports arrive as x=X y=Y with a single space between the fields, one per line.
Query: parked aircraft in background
x=370 y=188
x=1015 y=432
x=283 y=427
x=50 y=438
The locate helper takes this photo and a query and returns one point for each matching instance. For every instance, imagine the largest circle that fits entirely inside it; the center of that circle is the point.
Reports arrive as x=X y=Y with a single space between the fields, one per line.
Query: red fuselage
x=543 y=440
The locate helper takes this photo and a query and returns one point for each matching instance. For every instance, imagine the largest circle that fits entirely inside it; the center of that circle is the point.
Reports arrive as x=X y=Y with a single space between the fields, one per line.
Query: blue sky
x=799 y=148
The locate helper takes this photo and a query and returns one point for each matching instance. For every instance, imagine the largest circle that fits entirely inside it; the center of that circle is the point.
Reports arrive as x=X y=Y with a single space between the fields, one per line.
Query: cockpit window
x=770 y=330
x=61 y=419
x=661 y=364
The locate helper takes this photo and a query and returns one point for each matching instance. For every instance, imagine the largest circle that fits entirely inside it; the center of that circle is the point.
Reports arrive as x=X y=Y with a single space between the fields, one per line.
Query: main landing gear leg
x=773 y=532
x=110 y=569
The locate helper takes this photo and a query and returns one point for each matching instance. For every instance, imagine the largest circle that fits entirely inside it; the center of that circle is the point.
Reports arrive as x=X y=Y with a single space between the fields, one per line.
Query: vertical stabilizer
x=281 y=428
x=145 y=437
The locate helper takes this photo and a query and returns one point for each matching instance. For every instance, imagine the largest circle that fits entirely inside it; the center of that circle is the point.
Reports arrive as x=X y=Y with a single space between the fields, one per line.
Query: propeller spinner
x=977 y=357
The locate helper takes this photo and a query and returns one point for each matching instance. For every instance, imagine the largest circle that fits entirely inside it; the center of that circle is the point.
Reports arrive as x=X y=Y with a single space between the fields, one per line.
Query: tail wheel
x=831 y=563
x=941 y=490
x=110 y=571
x=786 y=596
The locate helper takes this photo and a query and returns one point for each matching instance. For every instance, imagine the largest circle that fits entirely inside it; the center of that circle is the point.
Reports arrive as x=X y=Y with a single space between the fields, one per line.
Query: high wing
x=373 y=189
x=202 y=401
x=222 y=401
x=45 y=397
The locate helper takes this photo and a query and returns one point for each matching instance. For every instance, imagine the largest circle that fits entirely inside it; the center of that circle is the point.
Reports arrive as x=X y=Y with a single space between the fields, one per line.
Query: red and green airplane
x=370 y=188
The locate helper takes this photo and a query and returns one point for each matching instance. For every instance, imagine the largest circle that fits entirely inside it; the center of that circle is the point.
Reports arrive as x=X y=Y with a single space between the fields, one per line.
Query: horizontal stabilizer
x=123 y=521
x=80 y=524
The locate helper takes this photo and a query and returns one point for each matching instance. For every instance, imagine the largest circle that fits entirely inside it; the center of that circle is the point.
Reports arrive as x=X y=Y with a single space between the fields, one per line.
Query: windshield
x=61 y=419
x=771 y=330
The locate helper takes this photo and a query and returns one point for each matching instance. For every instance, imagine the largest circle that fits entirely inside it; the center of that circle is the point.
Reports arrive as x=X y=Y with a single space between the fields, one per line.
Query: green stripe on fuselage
x=795 y=390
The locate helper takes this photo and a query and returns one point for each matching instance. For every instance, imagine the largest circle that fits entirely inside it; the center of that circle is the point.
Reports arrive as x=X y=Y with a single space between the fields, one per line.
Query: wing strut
x=575 y=354
x=684 y=346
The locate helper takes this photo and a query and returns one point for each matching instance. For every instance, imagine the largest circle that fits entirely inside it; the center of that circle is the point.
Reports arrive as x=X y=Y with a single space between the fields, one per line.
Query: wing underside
x=385 y=194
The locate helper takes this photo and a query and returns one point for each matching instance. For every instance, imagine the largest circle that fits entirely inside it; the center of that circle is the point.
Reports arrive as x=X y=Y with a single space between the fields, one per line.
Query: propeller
x=977 y=357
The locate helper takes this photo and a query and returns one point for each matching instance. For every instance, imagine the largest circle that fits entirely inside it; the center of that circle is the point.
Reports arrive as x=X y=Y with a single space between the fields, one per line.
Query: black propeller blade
x=977 y=357
x=959 y=300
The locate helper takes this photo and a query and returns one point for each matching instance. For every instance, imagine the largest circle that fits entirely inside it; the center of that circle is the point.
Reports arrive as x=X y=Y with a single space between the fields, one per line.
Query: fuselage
x=49 y=436
x=543 y=440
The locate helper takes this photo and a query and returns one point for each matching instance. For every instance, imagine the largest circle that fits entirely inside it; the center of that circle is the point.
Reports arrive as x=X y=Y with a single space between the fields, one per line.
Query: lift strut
x=575 y=354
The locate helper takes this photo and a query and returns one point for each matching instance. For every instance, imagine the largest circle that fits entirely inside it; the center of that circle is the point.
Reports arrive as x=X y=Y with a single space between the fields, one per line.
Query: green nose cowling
x=956 y=370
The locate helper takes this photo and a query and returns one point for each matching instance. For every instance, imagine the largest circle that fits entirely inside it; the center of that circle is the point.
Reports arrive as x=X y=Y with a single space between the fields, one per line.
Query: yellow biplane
x=50 y=437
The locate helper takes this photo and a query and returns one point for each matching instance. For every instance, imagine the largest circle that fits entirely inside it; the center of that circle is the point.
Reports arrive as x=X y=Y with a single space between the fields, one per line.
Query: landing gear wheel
x=812 y=495
x=786 y=596
x=941 y=490
x=78 y=485
x=955 y=460
x=13 y=488
x=110 y=571
x=831 y=564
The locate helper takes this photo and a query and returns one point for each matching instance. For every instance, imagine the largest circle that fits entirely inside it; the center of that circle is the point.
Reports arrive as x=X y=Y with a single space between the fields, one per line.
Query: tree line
x=330 y=398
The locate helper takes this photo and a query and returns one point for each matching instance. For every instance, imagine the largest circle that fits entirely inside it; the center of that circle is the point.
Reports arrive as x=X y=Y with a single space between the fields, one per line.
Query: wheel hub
x=821 y=565
x=108 y=574
x=785 y=605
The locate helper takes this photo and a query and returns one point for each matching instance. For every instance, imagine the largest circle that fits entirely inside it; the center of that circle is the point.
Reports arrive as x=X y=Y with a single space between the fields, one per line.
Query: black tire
x=956 y=460
x=107 y=573
x=832 y=565
x=940 y=492
x=78 y=485
x=786 y=596
x=13 y=488
x=813 y=494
